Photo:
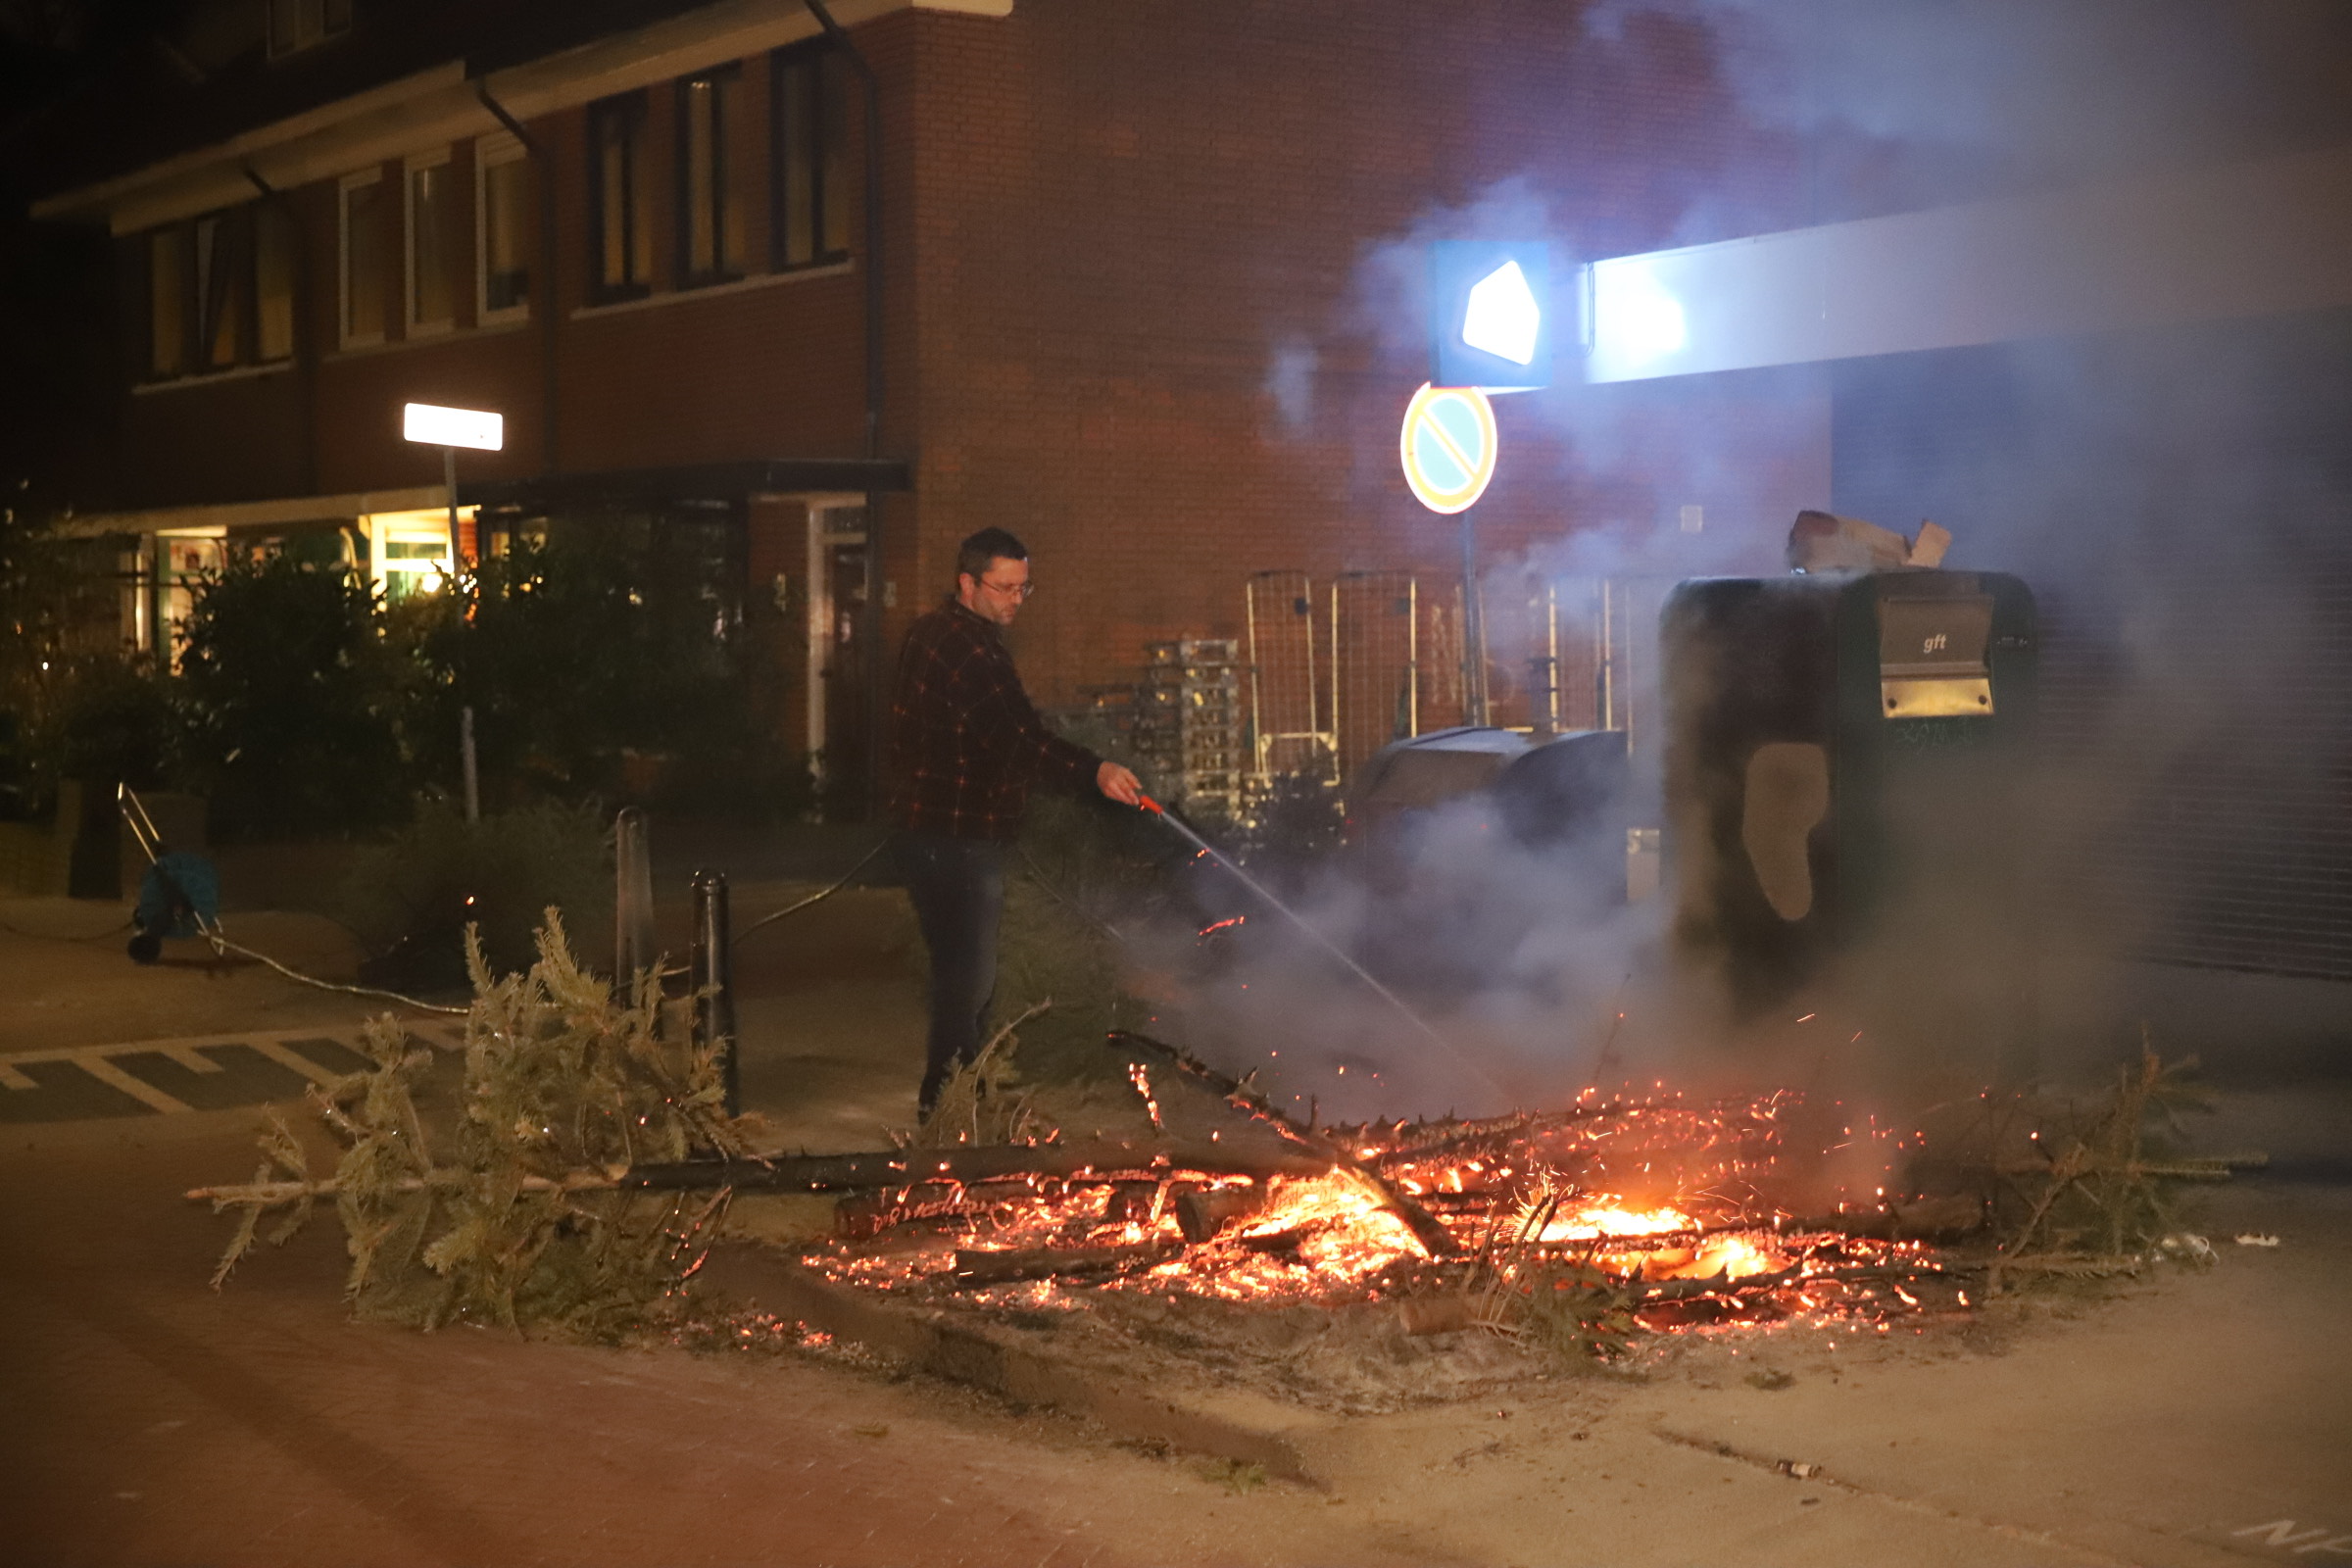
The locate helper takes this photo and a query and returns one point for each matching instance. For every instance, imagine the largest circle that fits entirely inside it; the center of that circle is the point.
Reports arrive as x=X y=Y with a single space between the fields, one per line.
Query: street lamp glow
x=430 y=424
x=1502 y=317
x=1636 y=320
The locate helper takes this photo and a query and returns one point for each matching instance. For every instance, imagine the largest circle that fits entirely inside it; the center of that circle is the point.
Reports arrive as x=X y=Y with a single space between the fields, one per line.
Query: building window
x=431 y=224
x=624 y=261
x=363 y=243
x=272 y=282
x=300 y=24
x=166 y=303
x=221 y=291
x=221 y=287
x=709 y=163
x=500 y=226
x=810 y=146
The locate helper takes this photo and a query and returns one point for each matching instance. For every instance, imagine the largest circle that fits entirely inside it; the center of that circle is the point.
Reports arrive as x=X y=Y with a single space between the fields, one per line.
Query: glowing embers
x=1660 y=1208
x=1730 y=1259
x=1588 y=1224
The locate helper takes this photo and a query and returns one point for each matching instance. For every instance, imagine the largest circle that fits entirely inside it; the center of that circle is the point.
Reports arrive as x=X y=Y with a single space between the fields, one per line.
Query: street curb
x=972 y=1355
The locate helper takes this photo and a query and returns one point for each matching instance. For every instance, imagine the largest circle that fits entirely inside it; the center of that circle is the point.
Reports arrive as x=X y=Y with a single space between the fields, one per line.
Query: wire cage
x=1288 y=724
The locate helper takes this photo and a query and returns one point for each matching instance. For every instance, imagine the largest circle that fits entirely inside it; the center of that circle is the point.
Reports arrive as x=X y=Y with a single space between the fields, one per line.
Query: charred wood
x=977 y=1268
x=1204 y=1211
x=1133 y=1203
x=908 y=1168
x=1434 y=1238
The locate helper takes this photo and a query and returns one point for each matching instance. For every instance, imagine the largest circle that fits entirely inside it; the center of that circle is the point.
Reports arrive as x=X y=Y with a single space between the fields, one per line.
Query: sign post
x=430 y=424
x=1448 y=448
x=1489 y=333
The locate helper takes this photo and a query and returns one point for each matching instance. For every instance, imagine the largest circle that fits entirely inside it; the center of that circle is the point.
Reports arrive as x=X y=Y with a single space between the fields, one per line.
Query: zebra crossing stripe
x=286 y=1056
x=190 y=1058
x=113 y=1077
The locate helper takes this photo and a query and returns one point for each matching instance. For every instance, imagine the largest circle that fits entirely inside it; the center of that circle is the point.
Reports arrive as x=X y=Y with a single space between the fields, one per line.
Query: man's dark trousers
x=958 y=887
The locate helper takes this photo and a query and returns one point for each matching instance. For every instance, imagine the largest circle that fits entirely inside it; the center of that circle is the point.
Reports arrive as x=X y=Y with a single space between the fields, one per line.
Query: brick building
x=1146 y=296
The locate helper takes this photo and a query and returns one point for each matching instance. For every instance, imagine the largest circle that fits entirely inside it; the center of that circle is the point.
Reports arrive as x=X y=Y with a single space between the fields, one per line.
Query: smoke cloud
x=2179 y=500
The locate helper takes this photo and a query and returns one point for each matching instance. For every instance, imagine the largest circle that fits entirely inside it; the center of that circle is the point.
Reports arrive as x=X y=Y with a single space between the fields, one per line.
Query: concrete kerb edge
x=970 y=1355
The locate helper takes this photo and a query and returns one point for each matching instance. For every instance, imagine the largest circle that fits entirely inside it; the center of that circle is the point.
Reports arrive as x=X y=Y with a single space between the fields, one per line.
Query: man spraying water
x=966 y=747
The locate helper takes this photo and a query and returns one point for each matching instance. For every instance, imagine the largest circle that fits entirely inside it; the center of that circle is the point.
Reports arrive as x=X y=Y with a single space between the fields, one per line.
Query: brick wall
x=1102 y=223
x=1122 y=211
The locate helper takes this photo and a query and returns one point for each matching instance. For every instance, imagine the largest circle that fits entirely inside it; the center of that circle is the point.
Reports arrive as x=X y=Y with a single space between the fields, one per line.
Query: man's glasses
x=1011 y=590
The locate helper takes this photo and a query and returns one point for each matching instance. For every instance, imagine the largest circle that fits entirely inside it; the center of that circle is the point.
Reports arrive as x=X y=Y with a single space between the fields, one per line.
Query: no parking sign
x=1447 y=446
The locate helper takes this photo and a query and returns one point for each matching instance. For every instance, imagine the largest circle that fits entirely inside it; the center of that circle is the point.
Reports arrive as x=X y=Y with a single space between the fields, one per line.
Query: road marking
x=2283 y=1535
x=286 y=1057
x=190 y=1054
x=113 y=1077
x=190 y=1058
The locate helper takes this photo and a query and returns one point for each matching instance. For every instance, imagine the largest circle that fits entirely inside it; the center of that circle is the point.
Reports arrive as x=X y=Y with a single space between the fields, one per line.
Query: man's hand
x=1119 y=784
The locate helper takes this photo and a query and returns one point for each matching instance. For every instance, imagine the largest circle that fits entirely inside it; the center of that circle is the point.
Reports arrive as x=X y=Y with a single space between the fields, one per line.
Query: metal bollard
x=633 y=902
x=714 y=982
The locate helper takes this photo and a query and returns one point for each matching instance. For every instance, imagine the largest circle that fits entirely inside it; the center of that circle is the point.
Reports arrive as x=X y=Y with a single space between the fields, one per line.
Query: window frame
x=496 y=150
x=230 y=264
x=181 y=236
x=410 y=271
x=270 y=211
x=635 y=110
x=315 y=21
x=723 y=174
x=344 y=335
x=826 y=68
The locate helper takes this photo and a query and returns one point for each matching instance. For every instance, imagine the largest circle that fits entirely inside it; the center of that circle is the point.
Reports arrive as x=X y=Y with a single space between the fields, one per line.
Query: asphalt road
x=2197 y=1420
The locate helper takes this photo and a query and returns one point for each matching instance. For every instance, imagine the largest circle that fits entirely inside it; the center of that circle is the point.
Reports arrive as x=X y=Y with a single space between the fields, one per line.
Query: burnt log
x=908 y=1168
x=978 y=1268
x=1281 y=1244
x=1205 y=1210
x=1132 y=1203
x=1712 y=1285
x=1435 y=1239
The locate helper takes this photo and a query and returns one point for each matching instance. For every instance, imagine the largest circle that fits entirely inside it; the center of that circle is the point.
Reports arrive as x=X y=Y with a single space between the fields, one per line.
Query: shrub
x=570 y=653
x=409 y=900
x=286 y=689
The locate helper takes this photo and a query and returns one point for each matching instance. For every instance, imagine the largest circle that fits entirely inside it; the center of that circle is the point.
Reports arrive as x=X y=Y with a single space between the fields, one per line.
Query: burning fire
x=1703 y=1244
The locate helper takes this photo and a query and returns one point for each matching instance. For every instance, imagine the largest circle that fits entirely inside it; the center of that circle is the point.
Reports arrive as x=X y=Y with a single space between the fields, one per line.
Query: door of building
x=838 y=679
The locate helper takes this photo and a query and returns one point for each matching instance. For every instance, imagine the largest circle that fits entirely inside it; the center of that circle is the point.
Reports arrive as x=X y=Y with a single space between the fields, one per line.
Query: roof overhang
x=831 y=478
x=445 y=104
x=700 y=481
x=282 y=513
x=2263 y=239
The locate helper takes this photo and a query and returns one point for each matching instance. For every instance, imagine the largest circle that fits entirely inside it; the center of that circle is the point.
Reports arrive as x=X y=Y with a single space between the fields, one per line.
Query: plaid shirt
x=964 y=741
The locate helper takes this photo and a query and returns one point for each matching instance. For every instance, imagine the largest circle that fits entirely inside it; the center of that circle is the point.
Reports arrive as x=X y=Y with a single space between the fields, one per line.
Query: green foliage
x=983 y=1102
x=286 y=688
x=518 y=1224
x=2102 y=1193
x=99 y=718
x=1237 y=1476
x=71 y=704
x=1576 y=1309
x=1079 y=876
x=412 y=899
x=572 y=653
